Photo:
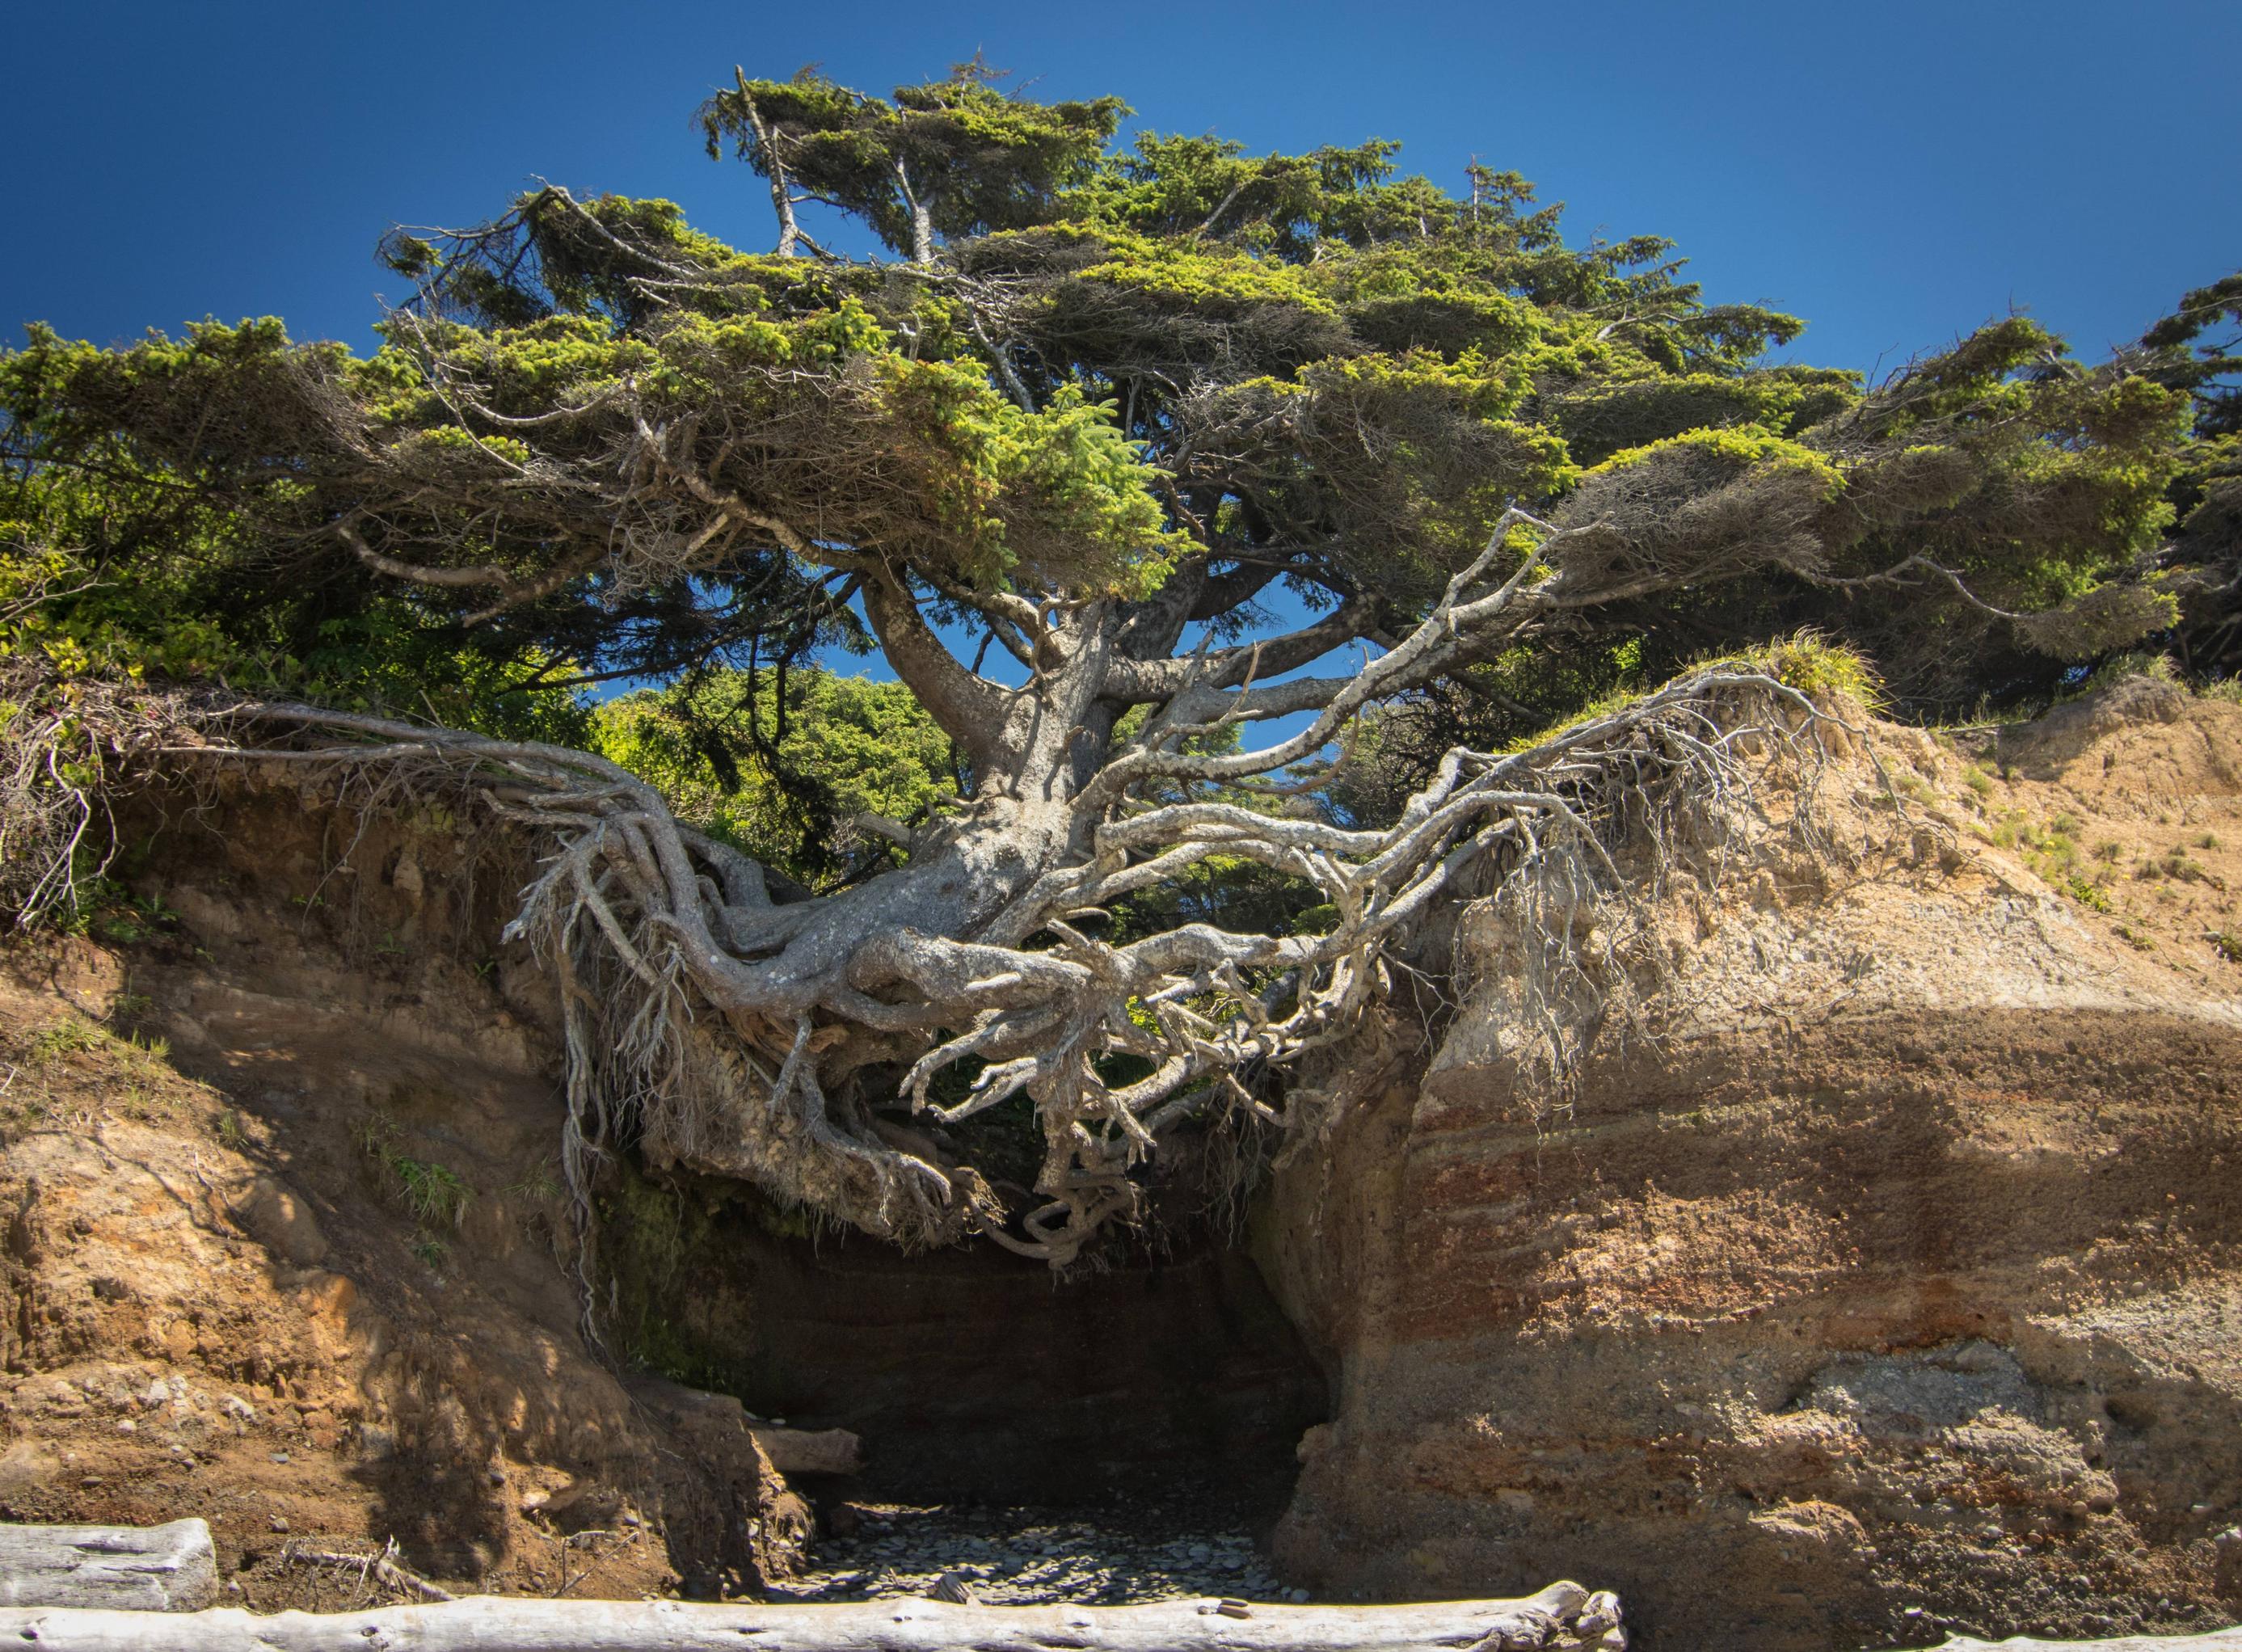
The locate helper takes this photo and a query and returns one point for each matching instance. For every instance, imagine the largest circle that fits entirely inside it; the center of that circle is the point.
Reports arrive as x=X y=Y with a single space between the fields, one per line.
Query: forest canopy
x=1197 y=440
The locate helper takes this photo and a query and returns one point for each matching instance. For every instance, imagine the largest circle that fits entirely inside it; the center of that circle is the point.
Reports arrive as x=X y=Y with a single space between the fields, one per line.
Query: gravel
x=1032 y=1556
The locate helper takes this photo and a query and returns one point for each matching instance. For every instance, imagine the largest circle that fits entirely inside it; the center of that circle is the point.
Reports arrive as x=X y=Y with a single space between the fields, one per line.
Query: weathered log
x=698 y=1414
x=2227 y=1640
x=153 y=1569
x=801 y=1451
x=496 y=1623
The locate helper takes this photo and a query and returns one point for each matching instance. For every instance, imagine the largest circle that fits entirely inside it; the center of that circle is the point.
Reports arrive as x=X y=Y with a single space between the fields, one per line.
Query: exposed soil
x=201 y=1322
x=290 y=1252
x=1892 y=1282
x=1889 y=1280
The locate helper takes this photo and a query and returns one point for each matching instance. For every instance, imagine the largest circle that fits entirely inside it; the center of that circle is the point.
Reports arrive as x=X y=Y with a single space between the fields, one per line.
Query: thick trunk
x=492 y=1623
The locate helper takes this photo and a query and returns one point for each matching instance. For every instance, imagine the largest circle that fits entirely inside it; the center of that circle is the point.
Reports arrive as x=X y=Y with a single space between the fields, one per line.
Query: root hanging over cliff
x=805 y=1046
x=822 y=1048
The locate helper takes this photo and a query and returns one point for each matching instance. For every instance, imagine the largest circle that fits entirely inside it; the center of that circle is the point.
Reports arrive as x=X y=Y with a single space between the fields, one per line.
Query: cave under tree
x=1104 y=411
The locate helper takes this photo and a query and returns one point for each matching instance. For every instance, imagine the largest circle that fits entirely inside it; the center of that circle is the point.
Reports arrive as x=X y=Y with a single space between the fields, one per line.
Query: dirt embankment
x=291 y=1249
x=1891 y=1281
x=318 y=1291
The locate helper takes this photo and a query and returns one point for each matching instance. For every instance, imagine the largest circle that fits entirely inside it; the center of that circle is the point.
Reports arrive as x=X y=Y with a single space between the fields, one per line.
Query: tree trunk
x=156 y=1569
x=493 y=1623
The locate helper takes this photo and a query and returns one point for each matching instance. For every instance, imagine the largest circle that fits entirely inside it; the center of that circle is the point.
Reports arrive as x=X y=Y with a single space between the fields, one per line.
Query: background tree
x=1116 y=403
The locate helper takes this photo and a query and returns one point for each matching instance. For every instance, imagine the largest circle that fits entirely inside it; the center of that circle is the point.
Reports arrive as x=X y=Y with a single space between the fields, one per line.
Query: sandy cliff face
x=1892 y=1280
x=235 y=1281
x=1887 y=1277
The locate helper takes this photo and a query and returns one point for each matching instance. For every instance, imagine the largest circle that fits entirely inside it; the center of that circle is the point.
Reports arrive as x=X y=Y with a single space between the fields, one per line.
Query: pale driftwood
x=495 y=1623
x=802 y=1451
x=154 y=1568
x=2227 y=1640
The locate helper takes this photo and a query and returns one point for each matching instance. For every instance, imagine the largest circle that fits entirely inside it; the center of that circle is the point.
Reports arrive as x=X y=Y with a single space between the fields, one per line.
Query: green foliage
x=600 y=444
x=431 y=1194
x=959 y=152
x=119 y=581
x=782 y=768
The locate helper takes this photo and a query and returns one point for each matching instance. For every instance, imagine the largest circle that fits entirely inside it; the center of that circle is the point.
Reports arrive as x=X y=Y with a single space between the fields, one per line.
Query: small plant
x=2086 y=894
x=372 y=1134
x=2110 y=849
x=2209 y=840
x=1977 y=780
x=537 y=1186
x=65 y=1038
x=2135 y=939
x=229 y=1131
x=432 y=1249
x=148 y=1051
x=2227 y=945
x=433 y=1192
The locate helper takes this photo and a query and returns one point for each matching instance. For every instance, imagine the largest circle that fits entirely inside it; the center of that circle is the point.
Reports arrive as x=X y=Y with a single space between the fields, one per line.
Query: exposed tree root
x=688 y=1018
x=820 y=1048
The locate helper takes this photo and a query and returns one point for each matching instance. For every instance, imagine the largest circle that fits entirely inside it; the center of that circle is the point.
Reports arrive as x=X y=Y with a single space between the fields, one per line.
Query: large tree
x=1108 y=414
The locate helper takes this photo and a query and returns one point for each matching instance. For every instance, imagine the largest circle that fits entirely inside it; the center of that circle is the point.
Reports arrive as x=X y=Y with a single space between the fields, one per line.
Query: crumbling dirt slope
x=317 y=1292
x=1884 y=1278
x=1890 y=1279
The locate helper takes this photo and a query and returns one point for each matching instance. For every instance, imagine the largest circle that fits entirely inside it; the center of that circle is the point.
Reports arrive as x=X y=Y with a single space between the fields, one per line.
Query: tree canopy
x=1106 y=402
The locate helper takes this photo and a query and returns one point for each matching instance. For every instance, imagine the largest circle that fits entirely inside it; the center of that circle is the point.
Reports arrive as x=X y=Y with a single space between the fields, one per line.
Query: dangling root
x=724 y=1030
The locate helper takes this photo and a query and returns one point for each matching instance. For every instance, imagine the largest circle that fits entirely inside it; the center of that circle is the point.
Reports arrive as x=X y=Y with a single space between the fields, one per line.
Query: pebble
x=1028 y=1556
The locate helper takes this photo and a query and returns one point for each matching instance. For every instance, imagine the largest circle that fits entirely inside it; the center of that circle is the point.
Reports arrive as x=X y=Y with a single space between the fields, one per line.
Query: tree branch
x=781 y=189
x=970 y=709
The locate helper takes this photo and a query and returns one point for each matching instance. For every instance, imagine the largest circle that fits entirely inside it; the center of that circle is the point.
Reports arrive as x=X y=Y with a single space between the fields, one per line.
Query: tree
x=819 y=777
x=1114 y=402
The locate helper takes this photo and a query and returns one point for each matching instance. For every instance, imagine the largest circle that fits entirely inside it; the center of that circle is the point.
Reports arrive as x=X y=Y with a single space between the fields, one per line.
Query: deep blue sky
x=1894 y=172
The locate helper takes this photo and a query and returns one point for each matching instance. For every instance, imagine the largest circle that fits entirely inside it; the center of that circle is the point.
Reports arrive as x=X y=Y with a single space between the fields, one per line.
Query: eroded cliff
x=1885 y=1278
x=1878 y=1272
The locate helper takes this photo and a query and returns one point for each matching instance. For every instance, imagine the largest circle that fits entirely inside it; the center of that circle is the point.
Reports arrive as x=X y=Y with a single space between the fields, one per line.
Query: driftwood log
x=804 y=1451
x=116 y=1568
x=496 y=1623
x=695 y=1411
x=2229 y=1640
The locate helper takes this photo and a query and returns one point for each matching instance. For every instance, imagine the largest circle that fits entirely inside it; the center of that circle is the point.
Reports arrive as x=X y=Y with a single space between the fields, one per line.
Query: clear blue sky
x=1895 y=171
x=1892 y=171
